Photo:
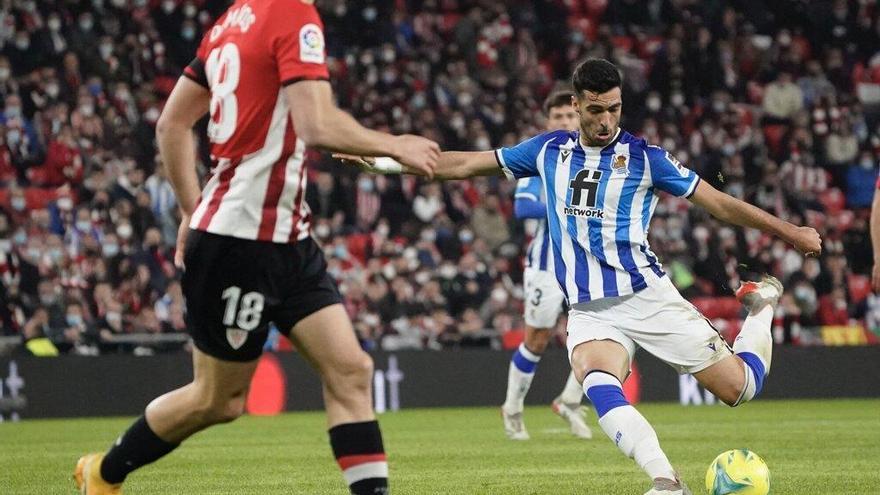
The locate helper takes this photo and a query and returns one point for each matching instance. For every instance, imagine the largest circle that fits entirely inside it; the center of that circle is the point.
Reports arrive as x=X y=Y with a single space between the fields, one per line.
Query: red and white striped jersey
x=257 y=187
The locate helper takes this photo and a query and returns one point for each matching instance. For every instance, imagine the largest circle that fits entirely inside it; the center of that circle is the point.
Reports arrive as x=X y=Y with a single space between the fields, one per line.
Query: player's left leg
x=601 y=353
x=739 y=378
x=327 y=340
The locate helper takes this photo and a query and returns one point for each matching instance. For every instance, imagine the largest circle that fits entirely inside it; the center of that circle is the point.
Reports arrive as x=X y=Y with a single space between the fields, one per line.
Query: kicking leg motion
x=735 y=379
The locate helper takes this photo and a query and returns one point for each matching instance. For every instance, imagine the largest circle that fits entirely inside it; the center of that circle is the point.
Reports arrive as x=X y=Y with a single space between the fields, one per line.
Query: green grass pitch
x=812 y=447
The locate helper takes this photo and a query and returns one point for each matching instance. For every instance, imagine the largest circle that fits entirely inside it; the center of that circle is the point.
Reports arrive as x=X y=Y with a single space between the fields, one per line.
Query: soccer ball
x=739 y=472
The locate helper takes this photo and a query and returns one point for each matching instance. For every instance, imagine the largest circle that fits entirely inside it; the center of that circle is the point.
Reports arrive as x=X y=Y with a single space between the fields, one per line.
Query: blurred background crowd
x=776 y=103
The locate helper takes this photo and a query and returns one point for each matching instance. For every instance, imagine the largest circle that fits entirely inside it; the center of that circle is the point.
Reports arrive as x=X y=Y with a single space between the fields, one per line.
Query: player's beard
x=594 y=138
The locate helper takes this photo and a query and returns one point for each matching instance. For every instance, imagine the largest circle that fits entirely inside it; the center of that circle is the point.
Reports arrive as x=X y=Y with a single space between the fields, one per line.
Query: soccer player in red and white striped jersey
x=244 y=240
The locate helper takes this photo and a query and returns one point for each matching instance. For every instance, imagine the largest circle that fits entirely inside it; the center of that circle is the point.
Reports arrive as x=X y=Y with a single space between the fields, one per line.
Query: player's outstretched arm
x=731 y=210
x=463 y=164
x=875 y=240
x=452 y=165
x=320 y=123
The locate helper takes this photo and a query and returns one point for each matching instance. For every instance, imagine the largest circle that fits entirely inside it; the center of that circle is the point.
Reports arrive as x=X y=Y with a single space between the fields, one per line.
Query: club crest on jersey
x=620 y=165
x=236 y=337
x=311 y=44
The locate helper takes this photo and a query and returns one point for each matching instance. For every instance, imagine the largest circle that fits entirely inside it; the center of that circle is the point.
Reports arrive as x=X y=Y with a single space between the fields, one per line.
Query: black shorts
x=235 y=287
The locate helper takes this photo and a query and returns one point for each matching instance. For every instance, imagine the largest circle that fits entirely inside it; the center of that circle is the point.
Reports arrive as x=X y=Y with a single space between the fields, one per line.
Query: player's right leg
x=740 y=377
x=224 y=358
x=543 y=304
x=520 y=373
x=601 y=354
x=216 y=395
x=327 y=340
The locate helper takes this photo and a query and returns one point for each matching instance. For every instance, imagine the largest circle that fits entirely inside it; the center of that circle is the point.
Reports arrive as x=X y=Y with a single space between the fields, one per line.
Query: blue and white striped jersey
x=538 y=254
x=599 y=203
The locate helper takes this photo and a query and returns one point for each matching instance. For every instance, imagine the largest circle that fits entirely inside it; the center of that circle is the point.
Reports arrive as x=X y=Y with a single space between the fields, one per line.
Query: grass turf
x=812 y=447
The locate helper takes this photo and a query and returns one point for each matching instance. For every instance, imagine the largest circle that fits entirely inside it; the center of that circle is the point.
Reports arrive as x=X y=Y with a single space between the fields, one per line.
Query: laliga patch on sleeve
x=311 y=44
x=682 y=170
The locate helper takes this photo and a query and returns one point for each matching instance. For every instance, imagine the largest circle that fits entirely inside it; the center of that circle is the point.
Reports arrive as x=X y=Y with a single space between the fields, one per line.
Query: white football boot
x=575 y=416
x=664 y=486
x=514 y=426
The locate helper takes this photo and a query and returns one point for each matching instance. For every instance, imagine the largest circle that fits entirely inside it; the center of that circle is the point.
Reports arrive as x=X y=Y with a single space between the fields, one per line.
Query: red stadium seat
x=718 y=307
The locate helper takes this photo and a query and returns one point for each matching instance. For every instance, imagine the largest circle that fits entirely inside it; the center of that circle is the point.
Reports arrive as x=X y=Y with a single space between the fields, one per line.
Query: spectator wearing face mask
x=23 y=55
x=112 y=323
x=75 y=332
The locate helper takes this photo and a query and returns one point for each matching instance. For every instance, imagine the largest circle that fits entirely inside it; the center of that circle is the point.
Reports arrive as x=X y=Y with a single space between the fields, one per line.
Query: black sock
x=136 y=447
x=358 y=450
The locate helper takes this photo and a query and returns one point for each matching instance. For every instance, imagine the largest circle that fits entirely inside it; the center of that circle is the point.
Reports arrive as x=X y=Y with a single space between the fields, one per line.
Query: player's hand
x=364 y=163
x=182 y=232
x=807 y=241
x=875 y=278
x=418 y=155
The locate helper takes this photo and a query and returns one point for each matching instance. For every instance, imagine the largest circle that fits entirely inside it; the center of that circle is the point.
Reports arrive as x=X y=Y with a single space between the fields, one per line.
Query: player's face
x=563 y=118
x=599 y=115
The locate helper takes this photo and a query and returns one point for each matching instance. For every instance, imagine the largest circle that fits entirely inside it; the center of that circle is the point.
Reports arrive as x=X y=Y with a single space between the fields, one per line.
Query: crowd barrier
x=73 y=386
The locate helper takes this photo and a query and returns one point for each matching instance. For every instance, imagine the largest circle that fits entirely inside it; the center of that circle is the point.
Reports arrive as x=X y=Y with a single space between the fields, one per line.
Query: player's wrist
x=387 y=165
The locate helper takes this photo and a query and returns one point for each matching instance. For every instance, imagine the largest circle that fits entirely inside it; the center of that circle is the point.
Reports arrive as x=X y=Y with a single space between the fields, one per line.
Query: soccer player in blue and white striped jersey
x=602 y=185
x=543 y=298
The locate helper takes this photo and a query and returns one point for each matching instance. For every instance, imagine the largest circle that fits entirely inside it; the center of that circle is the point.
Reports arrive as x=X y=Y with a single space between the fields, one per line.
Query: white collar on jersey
x=599 y=148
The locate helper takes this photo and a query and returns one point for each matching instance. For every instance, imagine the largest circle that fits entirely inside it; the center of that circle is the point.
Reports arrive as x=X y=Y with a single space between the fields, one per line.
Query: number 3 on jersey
x=223 y=68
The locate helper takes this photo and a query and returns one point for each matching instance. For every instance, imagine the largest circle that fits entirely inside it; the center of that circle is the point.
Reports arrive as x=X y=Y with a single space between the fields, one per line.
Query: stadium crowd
x=779 y=106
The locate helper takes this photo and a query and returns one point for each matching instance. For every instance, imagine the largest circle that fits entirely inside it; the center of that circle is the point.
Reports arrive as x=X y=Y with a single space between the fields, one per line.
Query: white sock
x=756 y=336
x=754 y=345
x=572 y=393
x=625 y=426
x=519 y=378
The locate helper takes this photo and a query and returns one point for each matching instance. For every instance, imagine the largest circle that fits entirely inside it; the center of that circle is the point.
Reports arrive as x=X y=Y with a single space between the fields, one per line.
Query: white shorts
x=656 y=319
x=543 y=303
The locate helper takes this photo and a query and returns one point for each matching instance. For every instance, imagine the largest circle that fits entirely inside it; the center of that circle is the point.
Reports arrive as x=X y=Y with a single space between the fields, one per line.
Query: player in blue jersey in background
x=543 y=297
x=602 y=184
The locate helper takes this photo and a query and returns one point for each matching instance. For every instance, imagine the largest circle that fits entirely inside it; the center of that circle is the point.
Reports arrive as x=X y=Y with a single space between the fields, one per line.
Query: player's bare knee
x=233 y=409
x=351 y=376
x=730 y=398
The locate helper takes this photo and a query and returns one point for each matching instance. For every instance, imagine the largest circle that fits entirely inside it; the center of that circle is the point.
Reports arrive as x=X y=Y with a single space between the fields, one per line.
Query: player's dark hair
x=557 y=99
x=596 y=75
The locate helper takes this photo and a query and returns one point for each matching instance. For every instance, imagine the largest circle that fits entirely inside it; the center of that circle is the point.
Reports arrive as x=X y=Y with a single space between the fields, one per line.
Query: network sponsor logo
x=584 y=212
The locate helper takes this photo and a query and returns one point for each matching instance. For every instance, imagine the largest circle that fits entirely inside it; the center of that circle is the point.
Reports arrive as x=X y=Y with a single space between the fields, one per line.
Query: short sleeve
x=528 y=188
x=297 y=43
x=668 y=174
x=196 y=69
x=522 y=160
